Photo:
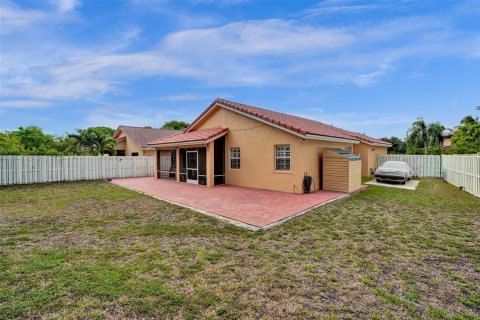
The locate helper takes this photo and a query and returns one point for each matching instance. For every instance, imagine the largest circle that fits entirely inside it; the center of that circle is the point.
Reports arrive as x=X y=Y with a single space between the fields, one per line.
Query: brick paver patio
x=254 y=209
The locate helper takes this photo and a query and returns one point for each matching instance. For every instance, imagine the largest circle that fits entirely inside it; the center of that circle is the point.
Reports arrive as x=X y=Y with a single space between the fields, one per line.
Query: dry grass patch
x=94 y=250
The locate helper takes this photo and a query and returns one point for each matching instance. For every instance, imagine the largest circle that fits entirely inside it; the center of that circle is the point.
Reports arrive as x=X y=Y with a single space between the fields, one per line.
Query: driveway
x=254 y=209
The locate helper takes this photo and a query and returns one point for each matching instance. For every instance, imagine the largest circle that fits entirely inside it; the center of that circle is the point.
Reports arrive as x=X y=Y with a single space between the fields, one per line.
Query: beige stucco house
x=241 y=145
x=447 y=135
x=132 y=141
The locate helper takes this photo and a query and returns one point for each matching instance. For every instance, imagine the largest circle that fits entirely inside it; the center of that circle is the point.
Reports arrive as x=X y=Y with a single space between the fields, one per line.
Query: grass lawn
x=93 y=250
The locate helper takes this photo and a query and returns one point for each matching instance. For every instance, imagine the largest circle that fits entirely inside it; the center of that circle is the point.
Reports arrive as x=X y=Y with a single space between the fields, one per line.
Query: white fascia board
x=378 y=144
x=216 y=137
x=179 y=144
x=333 y=139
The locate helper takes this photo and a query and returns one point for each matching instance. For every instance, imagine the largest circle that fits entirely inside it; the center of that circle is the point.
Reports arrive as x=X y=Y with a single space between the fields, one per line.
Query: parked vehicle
x=393 y=171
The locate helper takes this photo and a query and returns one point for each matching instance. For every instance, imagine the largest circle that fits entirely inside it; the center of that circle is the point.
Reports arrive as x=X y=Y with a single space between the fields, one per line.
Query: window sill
x=282 y=171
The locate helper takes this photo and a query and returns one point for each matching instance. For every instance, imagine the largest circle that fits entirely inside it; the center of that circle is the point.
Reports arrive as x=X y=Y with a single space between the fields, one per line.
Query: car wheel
x=378 y=180
x=404 y=181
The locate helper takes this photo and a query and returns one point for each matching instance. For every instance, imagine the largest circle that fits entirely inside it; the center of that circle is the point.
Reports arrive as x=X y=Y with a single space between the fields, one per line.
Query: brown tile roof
x=294 y=123
x=198 y=136
x=141 y=136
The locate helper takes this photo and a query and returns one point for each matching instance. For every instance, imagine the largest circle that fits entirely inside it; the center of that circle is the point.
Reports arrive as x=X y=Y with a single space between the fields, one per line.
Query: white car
x=393 y=171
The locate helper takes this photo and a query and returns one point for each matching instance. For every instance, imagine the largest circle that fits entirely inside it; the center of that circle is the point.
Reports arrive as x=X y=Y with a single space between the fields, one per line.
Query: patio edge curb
x=300 y=213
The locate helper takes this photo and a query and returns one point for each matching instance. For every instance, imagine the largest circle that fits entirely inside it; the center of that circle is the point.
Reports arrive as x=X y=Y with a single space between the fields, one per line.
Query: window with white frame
x=348 y=149
x=235 y=158
x=282 y=157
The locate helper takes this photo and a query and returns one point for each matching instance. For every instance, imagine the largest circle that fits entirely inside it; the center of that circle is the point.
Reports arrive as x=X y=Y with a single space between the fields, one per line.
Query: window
x=348 y=149
x=282 y=157
x=134 y=154
x=235 y=158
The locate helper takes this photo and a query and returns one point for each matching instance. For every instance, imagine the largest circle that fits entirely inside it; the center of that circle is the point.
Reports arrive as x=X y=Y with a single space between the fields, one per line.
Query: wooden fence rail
x=460 y=170
x=39 y=169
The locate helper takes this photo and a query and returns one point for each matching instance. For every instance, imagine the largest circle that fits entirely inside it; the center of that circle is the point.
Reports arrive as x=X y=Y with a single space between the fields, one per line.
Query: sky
x=371 y=67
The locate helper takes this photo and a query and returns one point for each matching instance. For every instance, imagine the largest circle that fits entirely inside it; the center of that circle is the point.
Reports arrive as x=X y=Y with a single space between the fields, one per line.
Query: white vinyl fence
x=463 y=171
x=421 y=165
x=38 y=169
x=460 y=170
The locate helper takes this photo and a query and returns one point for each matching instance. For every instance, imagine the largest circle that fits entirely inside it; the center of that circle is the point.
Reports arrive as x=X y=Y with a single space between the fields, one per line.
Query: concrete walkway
x=410 y=185
x=254 y=209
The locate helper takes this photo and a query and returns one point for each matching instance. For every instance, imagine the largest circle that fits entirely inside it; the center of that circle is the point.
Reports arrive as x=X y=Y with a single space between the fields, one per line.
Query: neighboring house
x=447 y=135
x=247 y=146
x=132 y=141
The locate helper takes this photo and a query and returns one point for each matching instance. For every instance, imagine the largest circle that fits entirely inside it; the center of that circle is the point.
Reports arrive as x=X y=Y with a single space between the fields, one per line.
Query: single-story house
x=132 y=141
x=447 y=135
x=237 y=144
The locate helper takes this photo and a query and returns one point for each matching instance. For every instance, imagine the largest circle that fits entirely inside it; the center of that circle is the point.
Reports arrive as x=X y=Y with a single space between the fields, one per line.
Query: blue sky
x=371 y=67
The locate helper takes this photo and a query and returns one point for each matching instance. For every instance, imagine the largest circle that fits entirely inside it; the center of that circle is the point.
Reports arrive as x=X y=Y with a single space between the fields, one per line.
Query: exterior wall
x=121 y=145
x=447 y=142
x=257 y=141
x=147 y=153
x=128 y=145
x=369 y=156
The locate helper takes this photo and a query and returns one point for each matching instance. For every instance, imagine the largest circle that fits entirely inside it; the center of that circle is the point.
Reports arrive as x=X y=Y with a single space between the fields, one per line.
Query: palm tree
x=103 y=143
x=83 y=140
x=417 y=135
x=434 y=133
x=94 y=141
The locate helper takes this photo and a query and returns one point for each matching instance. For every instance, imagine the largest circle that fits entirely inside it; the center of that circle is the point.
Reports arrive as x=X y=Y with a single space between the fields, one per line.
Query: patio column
x=210 y=164
x=177 y=168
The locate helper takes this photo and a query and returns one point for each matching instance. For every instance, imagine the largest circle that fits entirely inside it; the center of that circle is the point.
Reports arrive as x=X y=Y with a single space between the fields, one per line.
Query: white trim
x=173 y=144
x=377 y=144
x=333 y=139
x=179 y=144
x=216 y=137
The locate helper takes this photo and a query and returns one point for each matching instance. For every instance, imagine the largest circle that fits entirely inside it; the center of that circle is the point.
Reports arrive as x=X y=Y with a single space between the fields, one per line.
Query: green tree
x=467 y=137
x=175 y=125
x=398 y=145
x=417 y=137
x=103 y=130
x=434 y=133
x=10 y=145
x=32 y=138
x=468 y=120
x=93 y=140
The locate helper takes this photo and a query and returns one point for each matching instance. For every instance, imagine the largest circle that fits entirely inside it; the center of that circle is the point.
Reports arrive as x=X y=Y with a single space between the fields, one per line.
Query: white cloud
x=13 y=18
x=66 y=5
x=332 y=7
x=193 y=97
x=368 y=79
x=363 y=122
x=26 y=104
x=113 y=117
x=259 y=37
x=253 y=53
